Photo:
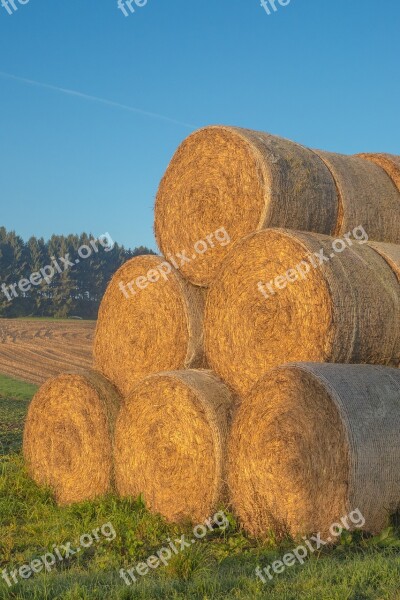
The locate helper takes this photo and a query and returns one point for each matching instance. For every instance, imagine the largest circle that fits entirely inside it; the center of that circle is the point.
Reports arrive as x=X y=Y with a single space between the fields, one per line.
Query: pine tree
x=73 y=290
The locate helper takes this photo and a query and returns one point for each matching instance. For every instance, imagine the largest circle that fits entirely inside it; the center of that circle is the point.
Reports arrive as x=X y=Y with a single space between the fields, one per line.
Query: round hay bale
x=242 y=181
x=148 y=326
x=68 y=436
x=313 y=442
x=270 y=305
x=170 y=444
x=389 y=162
x=368 y=197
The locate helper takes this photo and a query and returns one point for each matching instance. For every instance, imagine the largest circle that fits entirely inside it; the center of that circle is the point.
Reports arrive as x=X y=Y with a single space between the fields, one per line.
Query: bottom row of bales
x=309 y=444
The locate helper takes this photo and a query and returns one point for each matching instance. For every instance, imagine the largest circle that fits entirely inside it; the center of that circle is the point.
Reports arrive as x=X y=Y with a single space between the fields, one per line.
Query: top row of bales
x=247 y=180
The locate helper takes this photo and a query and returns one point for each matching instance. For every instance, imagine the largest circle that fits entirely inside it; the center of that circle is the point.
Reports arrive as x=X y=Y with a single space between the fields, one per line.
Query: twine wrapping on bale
x=391 y=253
x=346 y=310
x=148 y=327
x=313 y=442
x=68 y=436
x=243 y=181
x=389 y=162
x=367 y=197
x=170 y=443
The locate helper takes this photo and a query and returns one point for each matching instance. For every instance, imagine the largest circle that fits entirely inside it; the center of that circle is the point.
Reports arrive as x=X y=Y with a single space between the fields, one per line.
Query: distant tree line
x=78 y=283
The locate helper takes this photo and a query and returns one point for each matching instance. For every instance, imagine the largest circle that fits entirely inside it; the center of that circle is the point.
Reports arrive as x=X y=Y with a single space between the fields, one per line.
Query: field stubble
x=34 y=350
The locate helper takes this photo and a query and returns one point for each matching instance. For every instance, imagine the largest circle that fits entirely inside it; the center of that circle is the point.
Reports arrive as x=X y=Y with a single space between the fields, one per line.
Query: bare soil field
x=34 y=350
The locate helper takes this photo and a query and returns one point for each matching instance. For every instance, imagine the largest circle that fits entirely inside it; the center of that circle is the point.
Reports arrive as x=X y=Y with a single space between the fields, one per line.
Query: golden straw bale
x=170 y=443
x=346 y=310
x=243 y=181
x=389 y=162
x=368 y=197
x=311 y=443
x=149 y=326
x=68 y=436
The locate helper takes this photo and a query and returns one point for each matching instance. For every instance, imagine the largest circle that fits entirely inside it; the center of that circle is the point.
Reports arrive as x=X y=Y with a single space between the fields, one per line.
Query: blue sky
x=322 y=72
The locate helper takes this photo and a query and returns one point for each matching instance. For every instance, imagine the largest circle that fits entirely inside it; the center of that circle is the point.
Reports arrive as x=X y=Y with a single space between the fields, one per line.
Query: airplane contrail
x=55 y=88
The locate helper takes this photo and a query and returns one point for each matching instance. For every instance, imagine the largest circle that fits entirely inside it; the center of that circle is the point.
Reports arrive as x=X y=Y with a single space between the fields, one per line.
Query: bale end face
x=288 y=459
x=170 y=444
x=198 y=195
x=68 y=436
x=150 y=320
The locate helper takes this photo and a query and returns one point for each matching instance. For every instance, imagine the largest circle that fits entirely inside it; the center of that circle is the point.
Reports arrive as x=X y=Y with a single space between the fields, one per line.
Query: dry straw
x=68 y=436
x=311 y=443
x=244 y=181
x=346 y=310
x=391 y=253
x=389 y=162
x=170 y=443
x=367 y=197
x=154 y=329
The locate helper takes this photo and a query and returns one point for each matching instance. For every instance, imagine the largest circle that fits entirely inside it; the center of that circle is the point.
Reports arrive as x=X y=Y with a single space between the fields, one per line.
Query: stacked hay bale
x=313 y=442
x=171 y=440
x=68 y=436
x=242 y=180
x=285 y=305
x=279 y=288
x=150 y=320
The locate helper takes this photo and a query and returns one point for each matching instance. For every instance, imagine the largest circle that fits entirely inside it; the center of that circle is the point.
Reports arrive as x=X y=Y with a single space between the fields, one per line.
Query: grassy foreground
x=222 y=565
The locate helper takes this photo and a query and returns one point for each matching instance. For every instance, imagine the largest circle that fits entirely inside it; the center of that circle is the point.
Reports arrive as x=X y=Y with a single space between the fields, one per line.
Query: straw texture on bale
x=68 y=436
x=170 y=443
x=391 y=253
x=389 y=162
x=367 y=197
x=243 y=181
x=313 y=442
x=346 y=310
x=153 y=329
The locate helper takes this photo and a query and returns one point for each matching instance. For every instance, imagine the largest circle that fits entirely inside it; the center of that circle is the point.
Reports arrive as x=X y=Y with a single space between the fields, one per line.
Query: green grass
x=221 y=566
x=11 y=389
x=14 y=400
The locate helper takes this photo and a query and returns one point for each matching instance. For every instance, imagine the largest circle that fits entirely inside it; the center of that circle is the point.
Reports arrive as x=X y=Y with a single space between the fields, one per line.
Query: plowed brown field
x=36 y=350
